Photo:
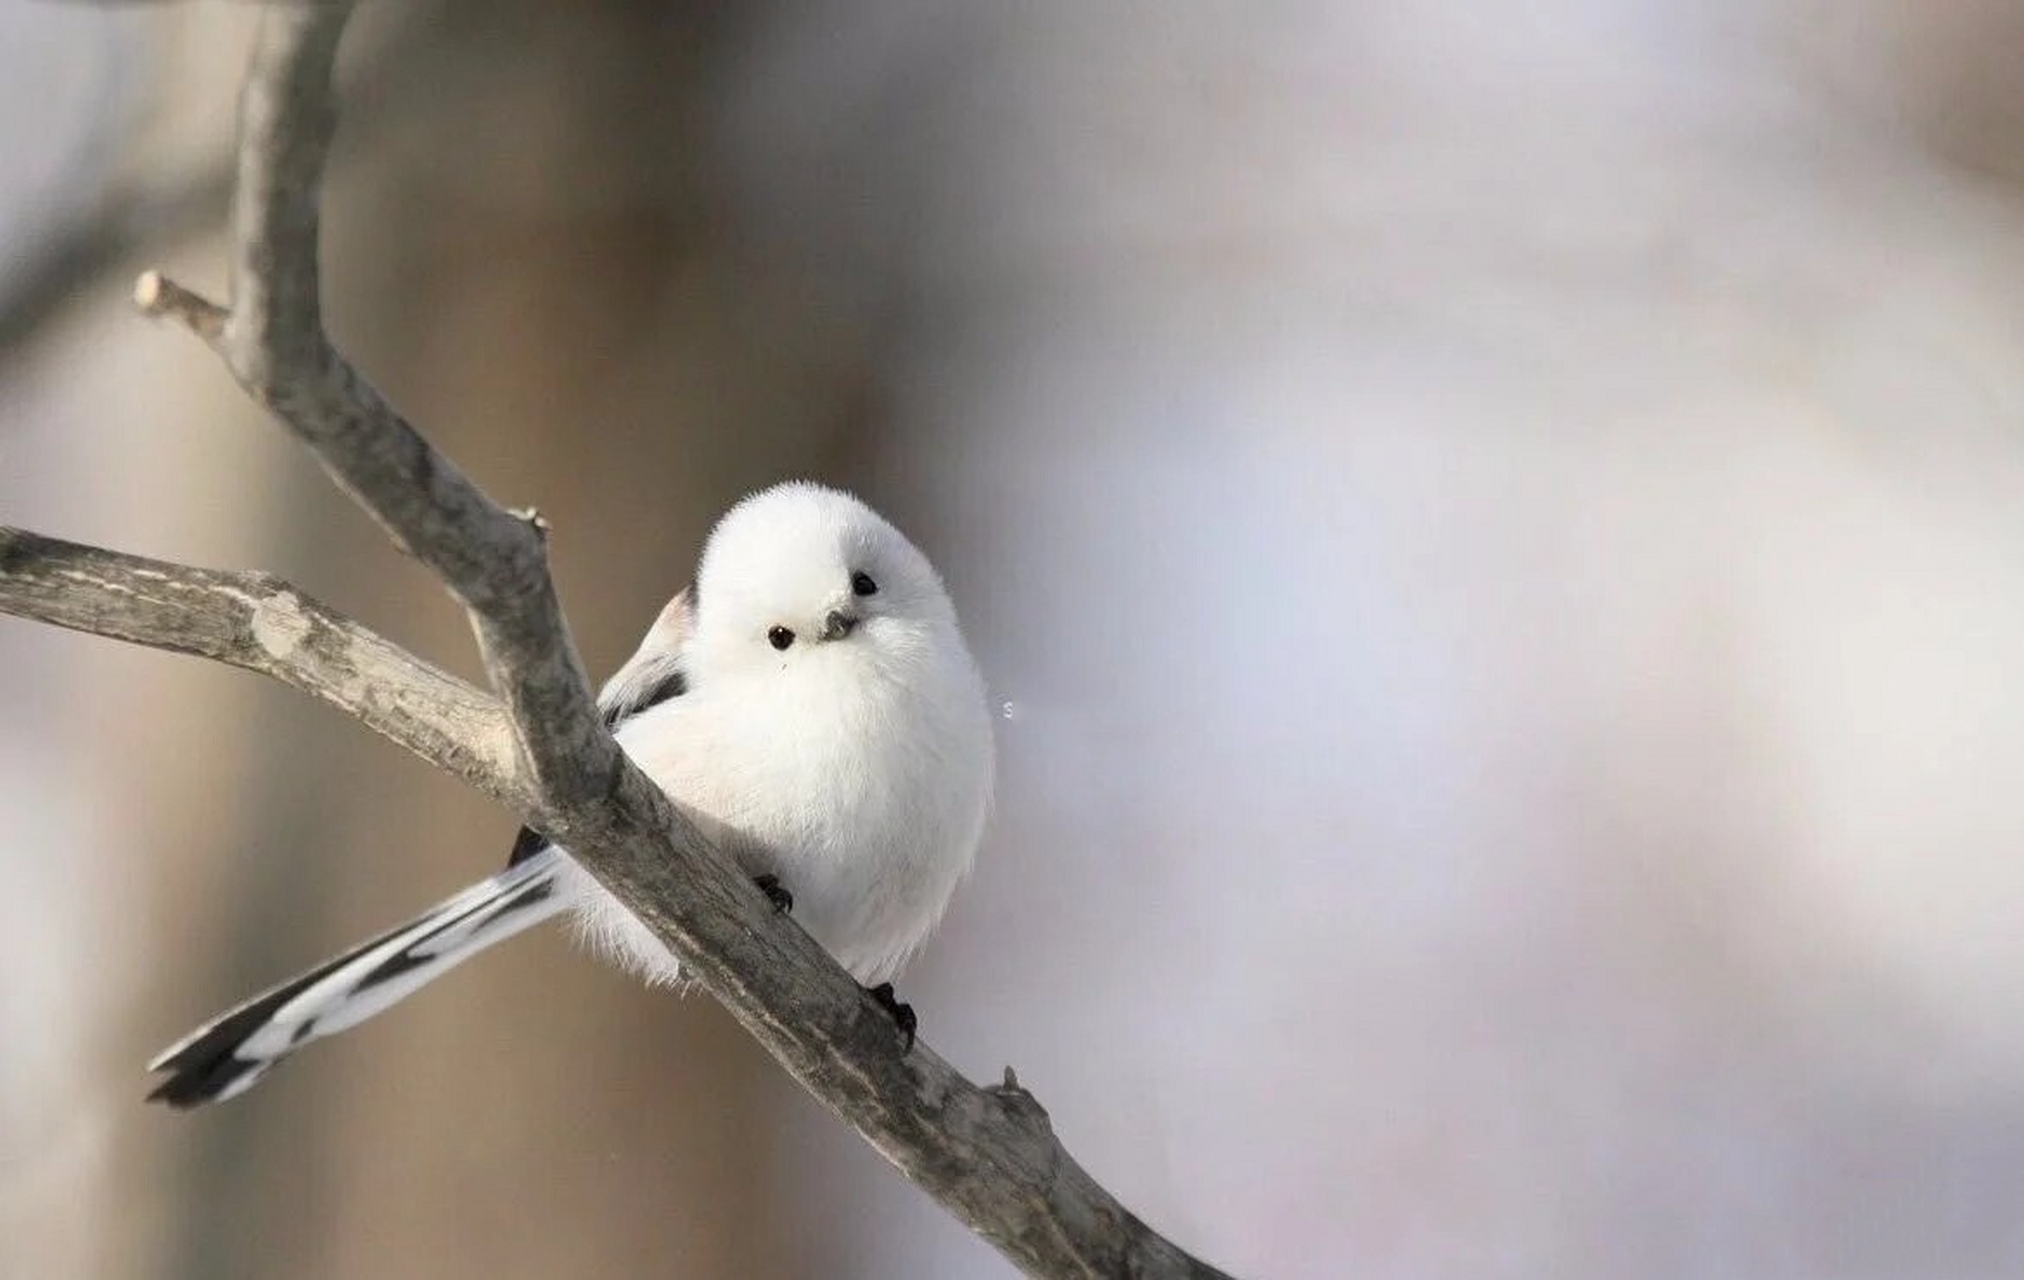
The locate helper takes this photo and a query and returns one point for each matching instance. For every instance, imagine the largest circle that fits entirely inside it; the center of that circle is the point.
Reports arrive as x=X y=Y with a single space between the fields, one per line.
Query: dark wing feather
x=666 y=681
x=653 y=675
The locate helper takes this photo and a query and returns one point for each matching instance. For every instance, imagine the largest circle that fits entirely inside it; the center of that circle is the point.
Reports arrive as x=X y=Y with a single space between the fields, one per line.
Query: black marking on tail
x=412 y=957
x=393 y=967
x=209 y=1065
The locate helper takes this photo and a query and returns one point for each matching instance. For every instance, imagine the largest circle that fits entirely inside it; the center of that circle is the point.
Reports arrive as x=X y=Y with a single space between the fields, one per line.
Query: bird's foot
x=776 y=893
x=902 y=1014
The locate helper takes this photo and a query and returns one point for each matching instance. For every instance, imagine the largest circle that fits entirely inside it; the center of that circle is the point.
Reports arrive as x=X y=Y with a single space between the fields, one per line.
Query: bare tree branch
x=257 y=621
x=989 y=1155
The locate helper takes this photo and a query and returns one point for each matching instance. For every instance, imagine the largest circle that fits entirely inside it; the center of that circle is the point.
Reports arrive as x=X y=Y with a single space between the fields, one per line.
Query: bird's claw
x=776 y=893
x=902 y=1014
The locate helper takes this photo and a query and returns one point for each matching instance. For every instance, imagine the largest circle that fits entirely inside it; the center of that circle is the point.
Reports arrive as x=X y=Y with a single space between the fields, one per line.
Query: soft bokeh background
x=1501 y=531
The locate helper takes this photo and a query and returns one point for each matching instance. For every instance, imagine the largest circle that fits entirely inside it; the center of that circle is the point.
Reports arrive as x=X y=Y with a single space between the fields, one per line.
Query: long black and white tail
x=227 y=1055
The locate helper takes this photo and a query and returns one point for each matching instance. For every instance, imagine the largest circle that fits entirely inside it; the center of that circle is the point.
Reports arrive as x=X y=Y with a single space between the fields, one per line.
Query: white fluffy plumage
x=812 y=704
x=857 y=769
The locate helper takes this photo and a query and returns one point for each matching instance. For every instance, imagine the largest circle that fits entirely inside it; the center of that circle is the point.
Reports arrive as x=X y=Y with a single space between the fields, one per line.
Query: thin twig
x=162 y=298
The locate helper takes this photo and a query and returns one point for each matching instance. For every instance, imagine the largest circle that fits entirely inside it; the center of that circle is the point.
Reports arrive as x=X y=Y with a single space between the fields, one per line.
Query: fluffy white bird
x=812 y=705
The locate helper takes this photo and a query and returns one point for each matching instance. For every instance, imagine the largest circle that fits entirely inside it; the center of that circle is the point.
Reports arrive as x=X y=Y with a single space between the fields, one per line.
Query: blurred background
x=1500 y=533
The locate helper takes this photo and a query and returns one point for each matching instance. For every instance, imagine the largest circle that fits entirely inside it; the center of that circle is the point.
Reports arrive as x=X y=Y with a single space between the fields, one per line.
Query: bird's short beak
x=838 y=625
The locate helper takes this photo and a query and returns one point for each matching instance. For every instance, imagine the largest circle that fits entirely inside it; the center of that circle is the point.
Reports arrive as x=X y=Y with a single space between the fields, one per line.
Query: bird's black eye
x=780 y=637
x=861 y=584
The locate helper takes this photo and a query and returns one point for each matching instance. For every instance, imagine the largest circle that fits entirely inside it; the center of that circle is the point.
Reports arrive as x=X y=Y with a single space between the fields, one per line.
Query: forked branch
x=989 y=1155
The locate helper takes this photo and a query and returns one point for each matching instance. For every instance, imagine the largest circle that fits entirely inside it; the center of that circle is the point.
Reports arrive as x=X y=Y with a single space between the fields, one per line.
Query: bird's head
x=800 y=578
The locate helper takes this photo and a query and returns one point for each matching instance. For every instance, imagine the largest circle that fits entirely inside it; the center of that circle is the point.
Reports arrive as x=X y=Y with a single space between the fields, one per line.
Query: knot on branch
x=1019 y=1102
x=533 y=519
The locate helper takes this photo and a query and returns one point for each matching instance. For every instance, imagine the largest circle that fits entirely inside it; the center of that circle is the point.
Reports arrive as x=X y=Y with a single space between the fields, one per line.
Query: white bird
x=813 y=707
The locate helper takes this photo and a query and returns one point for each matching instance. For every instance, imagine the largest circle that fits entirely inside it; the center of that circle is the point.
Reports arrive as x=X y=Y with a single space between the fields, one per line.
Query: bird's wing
x=654 y=673
x=650 y=677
